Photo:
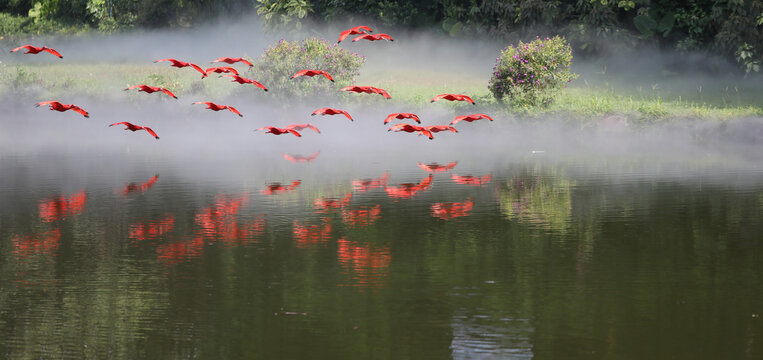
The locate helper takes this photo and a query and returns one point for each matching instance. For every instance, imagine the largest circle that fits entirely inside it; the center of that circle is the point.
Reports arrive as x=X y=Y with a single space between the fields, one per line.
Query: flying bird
x=217 y=107
x=366 y=89
x=55 y=105
x=230 y=60
x=435 y=167
x=220 y=69
x=470 y=118
x=373 y=37
x=312 y=73
x=36 y=50
x=181 y=64
x=393 y=116
x=131 y=127
x=300 y=127
x=278 y=131
x=438 y=128
x=405 y=127
x=354 y=31
x=151 y=89
x=330 y=111
x=453 y=97
x=471 y=180
x=243 y=80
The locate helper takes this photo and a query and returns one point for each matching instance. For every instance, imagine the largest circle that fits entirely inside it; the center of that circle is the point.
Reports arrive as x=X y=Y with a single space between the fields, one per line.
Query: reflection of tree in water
x=541 y=200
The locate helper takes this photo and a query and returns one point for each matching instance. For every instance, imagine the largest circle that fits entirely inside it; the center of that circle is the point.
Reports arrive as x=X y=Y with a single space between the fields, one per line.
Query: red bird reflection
x=276 y=188
x=448 y=211
x=366 y=265
x=435 y=167
x=471 y=180
x=219 y=221
x=369 y=184
x=152 y=229
x=44 y=243
x=409 y=190
x=312 y=234
x=177 y=252
x=361 y=217
x=133 y=187
x=296 y=158
x=327 y=203
x=62 y=206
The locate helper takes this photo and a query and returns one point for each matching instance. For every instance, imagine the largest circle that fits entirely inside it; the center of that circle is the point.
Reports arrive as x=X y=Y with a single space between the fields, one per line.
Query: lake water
x=503 y=241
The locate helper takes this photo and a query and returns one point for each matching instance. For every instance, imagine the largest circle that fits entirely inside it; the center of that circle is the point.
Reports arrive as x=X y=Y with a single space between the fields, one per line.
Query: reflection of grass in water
x=539 y=200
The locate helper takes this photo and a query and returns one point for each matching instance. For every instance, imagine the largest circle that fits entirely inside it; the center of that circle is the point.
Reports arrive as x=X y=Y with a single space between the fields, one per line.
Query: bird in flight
x=354 y=31
x=181 y=64
x=312 y=73
x=219 y=69
x=151 y=89
x=36 y=50
x=131 y=127
x=278 y=131
x=435 y=167
x=230 y=60
x=393 y=116
x=367 y=90
x=217 y=107
x=243 y=80
x=373 y=37
x=55 y=105
x=438 y=128
x=330 y=111
x=470 y=118
x=300 y=127
x=453 y=97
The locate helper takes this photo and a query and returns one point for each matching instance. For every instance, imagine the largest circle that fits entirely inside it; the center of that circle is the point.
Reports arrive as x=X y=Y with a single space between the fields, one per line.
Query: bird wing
x=45 y=103
x=487 y=117
x=312 y=127
x=438 y=97
x=390 y=117
x=384 y=36
x=23 y=47
x=347 y=115
x=363 y=36
x=362 y=27
x=343 y=35
x=427 y=133
x=415 y=118
x=247 y=62
x=80 y=110
x=294 y=132
x=168 y=92
x=230 y=69
x=458 y=118
x=198 y=68
x=122 y=123
x=382 y=92
x=150 y=131
x=258 y=84
x=222 y=59
x=53 y=51
x=233 y=110
x=327 y=75
x=299 y=73
x=265 y=128
x=466 y=98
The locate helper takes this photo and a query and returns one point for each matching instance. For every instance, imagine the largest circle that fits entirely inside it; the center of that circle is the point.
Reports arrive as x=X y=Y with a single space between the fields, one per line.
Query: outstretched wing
x=466 y=98
x=390 y=117
x=168 y=92
x=257 y=84
x=299 y=73
x=27 y=47
x=438 y=97
x=80 y=110
x=344 y=34
x=345 y=113
x=233 y=110
x=363 y=36
x=295 y=134
x=125 y=123
x=46 y=103
x=151 y=131
x=52 y=51
x=327 y=75
x=382 y=92
x=247 y=62
x=427 y=133
x=135 y=87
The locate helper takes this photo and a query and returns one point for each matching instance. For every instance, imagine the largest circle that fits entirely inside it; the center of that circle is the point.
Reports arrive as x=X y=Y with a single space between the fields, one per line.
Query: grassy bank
x=590 y=98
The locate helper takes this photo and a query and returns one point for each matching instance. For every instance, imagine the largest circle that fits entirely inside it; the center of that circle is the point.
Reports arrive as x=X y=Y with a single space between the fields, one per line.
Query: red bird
x=151 y=89
x=470 y=118
x=367 y=184
x=181 y=64
x=278 y=131
x=230 y=60
x=366 y=89
x=132 y=127
x=354 y=31
x=412 y=128
x=300 y=127
x=435 y=167
x=453 y=97
x=216 y=107
x=242 y=80
x=448 y=211
x=471 y=180
x=220 y=69
x=312 y=73
x=390 y=117
x=409 y=190
x=300 y=158
x=438 y=128
x=277 y=187
x=330 y=111
x=133 y=187
x=36 y=50
x=373 y=37
x=55 y=105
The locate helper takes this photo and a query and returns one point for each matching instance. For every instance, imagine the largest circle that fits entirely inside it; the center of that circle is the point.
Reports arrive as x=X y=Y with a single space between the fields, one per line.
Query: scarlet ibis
x=412 y=128
x=36 y=50
x=390 y=117
x=373 y=37
x=471 y=180
x=220 y=69
x=312 y=234
x=217 y=107
x=62 y=206
x=361 y=217
x=435 y=167
x=299 y=158
x=330 y=111
x=132 y=127
x=366 y=89
x=426 y=133
x=243 y=80
x=470 y=118
x=151 y=89
x=55 y=105
x=448 y=211
x=354 y=31
x=181 y=64
x=300 y=127
x=408 y=190
x=278 y=131
x=367 y=184
x=453 y=97
x=312 y=73
x=133 y=187
x=438 y=128
x=230 y=60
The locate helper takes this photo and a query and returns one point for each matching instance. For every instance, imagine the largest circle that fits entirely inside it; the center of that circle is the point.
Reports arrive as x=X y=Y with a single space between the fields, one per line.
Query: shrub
x=283 y=59
x=532 y=73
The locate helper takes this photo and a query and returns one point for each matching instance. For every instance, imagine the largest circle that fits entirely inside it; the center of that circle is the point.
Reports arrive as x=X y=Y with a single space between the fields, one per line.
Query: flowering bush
x=532 y=73
x=282 y=60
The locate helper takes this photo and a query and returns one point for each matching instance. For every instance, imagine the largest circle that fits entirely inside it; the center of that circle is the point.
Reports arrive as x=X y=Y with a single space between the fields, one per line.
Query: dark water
x=219 y=243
